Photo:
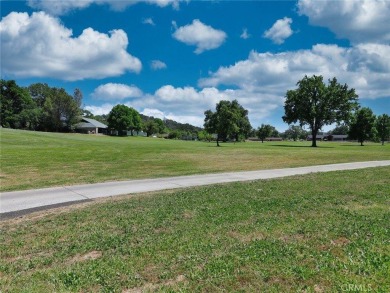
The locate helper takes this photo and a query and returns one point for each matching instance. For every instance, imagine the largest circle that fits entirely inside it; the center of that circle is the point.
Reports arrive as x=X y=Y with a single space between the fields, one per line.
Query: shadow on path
x=20 y=213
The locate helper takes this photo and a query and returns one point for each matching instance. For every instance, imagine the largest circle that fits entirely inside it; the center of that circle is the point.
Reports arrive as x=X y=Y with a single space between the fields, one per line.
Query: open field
x=36 y=159
x=313 y=233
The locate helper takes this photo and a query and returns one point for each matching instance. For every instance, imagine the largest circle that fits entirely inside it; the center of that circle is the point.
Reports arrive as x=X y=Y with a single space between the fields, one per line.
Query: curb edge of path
x=24 y=200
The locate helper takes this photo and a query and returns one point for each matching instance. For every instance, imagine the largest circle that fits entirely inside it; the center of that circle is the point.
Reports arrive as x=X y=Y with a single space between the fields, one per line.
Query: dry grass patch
x=292 y=238
x=92 y=255
x=357 y=206
x=246 y=238
x=153 y=287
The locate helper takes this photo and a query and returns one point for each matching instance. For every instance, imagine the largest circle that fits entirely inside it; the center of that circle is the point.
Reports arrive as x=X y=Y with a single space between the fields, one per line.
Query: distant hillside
x=170 y=124
x=180 y=126
x=173 y=125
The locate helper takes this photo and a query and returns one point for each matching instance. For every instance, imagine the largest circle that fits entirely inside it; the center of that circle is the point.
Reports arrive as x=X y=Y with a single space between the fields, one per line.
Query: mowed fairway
x=36 y=159
x=313 y=233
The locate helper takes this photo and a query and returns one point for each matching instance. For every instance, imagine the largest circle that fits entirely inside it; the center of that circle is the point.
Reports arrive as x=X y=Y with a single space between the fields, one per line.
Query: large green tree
x=61 y=110
x=382 y=125
x=230 y=120
x=150 y=127
x=30 y=118
x=39 y=92
x=362 y=125
x=16 y=106
x=243 y=125
x=264 y=131
x=160 y=125
x=58 y=110
x=316 y=104
x=38 y=107
x=120 y=118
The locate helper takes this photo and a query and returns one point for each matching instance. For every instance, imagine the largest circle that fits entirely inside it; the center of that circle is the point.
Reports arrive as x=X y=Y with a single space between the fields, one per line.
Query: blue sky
x=176 y=59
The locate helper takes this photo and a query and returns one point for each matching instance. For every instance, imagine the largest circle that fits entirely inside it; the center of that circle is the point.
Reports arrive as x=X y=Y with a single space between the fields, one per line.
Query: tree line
x=123 y=119
x=313 y=104
x=38 y=107
x=43 y=108
x=316 y=104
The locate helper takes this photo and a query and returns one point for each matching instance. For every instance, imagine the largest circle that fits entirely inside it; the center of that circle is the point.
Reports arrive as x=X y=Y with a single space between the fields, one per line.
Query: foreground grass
x=36 y=159
x=314 y=233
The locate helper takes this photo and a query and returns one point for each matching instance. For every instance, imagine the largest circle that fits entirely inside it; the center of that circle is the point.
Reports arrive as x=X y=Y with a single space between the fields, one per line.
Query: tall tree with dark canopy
x=58 y=110
x=41 y=93
x=160 y=125
x=120 y=119
x=16 y=105
x=316 y=104
x=382 y=125
x=61 y=110
x=362 y=125
x=230 y=119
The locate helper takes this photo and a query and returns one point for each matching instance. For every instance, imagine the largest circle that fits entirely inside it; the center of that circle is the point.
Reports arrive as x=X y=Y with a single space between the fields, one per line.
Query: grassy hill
x=37 y=159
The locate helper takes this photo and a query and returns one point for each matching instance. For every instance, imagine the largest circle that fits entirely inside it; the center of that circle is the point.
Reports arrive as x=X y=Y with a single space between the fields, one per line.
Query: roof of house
x=334 y=136
x=90 y=123
x=318 y=136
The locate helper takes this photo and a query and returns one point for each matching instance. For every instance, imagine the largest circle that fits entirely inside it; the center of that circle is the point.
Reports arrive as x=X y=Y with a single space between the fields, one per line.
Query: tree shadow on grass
x=221 y=144
x=358 y=145
x=302 y=146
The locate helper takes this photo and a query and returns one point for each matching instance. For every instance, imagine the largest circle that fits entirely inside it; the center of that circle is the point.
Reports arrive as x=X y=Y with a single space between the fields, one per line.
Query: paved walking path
x=30 y=200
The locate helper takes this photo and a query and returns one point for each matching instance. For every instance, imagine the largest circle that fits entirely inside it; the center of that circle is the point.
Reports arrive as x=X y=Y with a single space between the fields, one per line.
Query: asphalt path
x=23 y=202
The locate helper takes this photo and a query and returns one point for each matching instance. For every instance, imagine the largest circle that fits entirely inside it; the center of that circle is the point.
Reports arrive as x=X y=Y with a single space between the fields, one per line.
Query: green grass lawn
x=37 y=159
x=319 y=232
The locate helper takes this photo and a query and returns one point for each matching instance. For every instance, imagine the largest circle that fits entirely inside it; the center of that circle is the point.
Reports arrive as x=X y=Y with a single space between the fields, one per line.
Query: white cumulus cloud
x=260 y=82
x=100 y=110
x=116 y=92
x=40 y=46
x=204 y=37
x=157 y=65
x=193 y=120
x=156 y=113
x=280 y=31
x=365 y=67
x=60 y=7
x=360 y=21
x=153 y=113
x=187 y=104
x=190 y=102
